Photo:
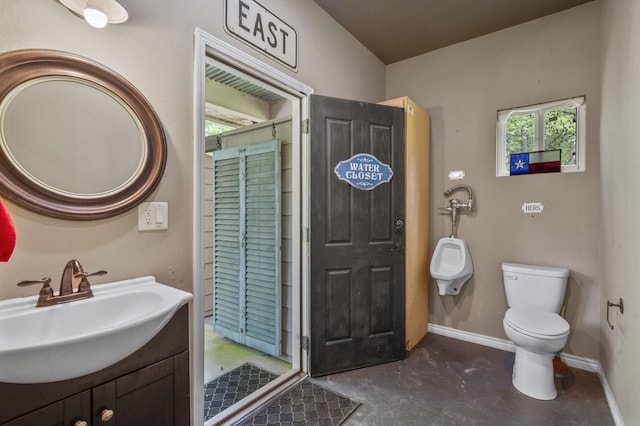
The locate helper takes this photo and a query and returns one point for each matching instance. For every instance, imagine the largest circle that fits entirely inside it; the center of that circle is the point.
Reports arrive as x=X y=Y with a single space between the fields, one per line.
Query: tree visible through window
x=543 y=127
x=560 y=130
x=212 y=128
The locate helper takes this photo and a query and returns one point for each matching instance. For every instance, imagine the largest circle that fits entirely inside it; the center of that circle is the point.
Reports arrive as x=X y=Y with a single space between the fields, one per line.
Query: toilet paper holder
x=617 y=305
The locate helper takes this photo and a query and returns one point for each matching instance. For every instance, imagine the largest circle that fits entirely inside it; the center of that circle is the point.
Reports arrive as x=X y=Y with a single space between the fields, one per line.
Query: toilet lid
x=536 y=323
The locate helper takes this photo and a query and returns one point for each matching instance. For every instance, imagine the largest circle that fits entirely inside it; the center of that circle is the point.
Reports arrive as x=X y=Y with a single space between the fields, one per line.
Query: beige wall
x=462 y=87
x=154 y=50
x=620 y=158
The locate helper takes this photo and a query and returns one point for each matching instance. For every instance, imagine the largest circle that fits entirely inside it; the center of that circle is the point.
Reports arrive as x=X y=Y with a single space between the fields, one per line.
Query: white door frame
x=208 y=45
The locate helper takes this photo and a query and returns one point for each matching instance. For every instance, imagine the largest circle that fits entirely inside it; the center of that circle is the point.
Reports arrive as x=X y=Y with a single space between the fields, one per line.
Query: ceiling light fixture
x=98 y=13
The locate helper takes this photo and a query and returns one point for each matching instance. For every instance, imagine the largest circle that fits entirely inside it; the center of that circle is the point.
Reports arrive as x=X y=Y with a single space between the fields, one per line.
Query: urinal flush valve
x=455 y=205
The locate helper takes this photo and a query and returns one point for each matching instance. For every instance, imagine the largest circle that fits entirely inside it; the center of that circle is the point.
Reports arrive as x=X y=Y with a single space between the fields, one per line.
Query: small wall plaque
x=364 y=171
x=532 y=207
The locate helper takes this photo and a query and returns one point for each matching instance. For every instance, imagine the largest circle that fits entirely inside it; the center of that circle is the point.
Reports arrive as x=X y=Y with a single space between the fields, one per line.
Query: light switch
x=153 y=216
x=159 y=215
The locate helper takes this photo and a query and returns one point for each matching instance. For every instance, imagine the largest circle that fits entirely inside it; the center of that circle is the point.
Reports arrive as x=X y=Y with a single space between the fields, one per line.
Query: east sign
x=256 y=25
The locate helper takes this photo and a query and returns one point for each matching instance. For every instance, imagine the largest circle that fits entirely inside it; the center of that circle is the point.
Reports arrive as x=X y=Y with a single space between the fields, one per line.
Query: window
x=543 y=127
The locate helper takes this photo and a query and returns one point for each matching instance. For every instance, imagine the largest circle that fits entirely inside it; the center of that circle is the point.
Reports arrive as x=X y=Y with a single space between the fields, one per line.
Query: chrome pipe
x=469 y=204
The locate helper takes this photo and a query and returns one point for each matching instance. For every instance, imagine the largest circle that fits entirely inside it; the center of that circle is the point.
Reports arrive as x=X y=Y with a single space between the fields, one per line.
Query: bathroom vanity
x=149 y=387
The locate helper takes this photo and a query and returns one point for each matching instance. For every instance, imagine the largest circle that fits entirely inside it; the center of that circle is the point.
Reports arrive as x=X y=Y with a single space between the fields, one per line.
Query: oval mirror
x=77 y=140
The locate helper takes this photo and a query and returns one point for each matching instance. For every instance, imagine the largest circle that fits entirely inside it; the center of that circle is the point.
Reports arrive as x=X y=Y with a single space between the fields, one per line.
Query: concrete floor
x=445 y=381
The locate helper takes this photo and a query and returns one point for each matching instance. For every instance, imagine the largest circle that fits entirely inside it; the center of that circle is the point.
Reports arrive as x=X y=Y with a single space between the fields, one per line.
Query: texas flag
x=535 y=162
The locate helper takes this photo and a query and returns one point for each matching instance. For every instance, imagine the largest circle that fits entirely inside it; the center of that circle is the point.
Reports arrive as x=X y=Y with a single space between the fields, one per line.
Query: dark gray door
x=357 y=238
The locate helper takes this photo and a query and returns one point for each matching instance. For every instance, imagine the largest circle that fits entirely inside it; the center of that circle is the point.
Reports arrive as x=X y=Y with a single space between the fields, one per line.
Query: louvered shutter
x=247 y=245
x=226 y=243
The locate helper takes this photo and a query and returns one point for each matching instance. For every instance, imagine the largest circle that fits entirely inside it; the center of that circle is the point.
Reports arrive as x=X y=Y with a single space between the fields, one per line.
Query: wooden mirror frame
x=20 y=66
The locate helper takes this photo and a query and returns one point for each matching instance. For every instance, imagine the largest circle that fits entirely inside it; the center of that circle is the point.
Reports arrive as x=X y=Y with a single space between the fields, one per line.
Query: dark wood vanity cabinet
x=148 y=388
x=154 y=396
x=68 y=412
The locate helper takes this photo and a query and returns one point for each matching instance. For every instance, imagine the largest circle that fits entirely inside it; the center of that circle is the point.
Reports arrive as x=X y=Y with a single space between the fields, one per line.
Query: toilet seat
x=539 y=324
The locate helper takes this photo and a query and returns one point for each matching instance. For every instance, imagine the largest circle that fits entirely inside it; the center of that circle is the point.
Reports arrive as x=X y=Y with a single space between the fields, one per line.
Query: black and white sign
x=256 y=25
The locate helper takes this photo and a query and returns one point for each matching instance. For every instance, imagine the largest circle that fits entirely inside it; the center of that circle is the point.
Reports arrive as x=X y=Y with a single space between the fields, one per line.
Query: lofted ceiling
x=395 y=30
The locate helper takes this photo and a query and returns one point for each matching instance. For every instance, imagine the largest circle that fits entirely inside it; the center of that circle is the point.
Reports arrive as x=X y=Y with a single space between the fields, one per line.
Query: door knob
x=399 y=226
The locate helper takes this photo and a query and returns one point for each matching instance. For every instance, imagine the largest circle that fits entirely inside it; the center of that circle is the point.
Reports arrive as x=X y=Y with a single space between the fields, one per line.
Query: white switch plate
x=153 y=216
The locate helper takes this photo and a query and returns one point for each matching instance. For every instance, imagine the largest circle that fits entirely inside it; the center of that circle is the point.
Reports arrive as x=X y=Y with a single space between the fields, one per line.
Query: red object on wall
x=7 y=233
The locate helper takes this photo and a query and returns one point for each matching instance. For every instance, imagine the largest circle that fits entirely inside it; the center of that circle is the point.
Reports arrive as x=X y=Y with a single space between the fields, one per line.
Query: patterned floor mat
x=306 y=403
x=224 y=391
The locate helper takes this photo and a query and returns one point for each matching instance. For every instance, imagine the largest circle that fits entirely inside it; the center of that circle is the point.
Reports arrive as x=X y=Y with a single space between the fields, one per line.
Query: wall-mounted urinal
x=451 y=265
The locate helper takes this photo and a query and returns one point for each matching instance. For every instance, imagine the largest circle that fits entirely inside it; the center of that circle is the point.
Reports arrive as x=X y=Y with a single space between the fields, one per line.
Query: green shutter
x=226 y=243
x=247 y=245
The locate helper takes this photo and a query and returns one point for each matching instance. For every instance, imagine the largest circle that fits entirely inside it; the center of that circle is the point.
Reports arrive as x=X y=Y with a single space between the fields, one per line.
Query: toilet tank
x=534 y=287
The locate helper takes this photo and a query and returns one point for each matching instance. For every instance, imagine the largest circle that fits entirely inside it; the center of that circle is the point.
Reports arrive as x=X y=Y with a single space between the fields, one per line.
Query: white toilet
x=535 y=295
x=451 y=265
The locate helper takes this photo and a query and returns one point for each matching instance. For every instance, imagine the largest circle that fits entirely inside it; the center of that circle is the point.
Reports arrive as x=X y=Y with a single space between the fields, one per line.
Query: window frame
x=578 y=102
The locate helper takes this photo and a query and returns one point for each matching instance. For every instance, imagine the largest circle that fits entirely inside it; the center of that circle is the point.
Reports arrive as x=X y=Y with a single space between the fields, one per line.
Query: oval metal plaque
x=364 y=171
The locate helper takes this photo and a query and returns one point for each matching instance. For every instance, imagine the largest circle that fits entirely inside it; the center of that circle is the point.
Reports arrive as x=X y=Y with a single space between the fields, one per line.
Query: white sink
x=69 y=340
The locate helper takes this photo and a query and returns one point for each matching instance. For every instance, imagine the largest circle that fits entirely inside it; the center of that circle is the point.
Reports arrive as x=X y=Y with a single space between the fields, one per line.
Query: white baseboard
x=574 y=361
x=467 y=336
x=613 y=406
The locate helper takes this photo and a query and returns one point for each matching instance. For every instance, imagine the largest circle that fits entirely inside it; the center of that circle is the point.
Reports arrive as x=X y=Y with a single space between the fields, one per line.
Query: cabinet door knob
x=81 y=423
x=106 y=415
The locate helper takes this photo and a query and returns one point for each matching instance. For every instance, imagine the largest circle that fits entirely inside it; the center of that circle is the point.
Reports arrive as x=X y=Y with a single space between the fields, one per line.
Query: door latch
x=397 y=248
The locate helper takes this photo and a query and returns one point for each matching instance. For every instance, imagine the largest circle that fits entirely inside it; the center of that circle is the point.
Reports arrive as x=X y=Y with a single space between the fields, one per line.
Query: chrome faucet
x=466 y=206
x=455 y=204
x=74 y=285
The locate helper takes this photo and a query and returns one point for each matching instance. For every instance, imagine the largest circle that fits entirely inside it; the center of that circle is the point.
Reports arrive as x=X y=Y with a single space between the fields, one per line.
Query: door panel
x=381 y=318
x=357 y=260
x=338 y=297
x=337 y=208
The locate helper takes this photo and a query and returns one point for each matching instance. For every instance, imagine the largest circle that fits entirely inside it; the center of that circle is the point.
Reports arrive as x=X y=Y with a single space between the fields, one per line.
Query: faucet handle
x=46 y=281
x=45 y=291
x=84 y=285
x=86 y=274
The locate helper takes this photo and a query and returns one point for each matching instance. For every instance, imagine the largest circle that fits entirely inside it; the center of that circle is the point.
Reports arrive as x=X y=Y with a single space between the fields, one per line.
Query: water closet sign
x=363 y=171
